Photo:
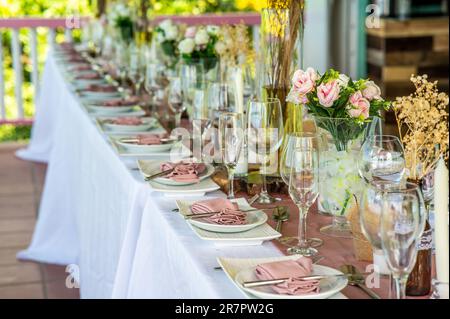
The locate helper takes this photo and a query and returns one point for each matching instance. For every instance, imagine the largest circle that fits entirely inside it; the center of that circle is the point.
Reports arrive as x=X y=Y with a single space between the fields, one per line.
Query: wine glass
x=190 y=74
x=137 y=65
x=265 y=135
x=175 y=99
x=121 y=57
x=292 y=143
x=382 y=158
x=304 y=189
x=400 y=231
x=231 y=130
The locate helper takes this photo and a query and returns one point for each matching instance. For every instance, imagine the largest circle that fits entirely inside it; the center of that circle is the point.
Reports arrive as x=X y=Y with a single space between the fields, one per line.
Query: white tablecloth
x=51 y=97
x=100 y=215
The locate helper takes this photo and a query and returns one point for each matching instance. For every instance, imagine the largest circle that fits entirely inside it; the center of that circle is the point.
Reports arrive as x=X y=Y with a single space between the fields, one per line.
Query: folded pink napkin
x=289 y=269
x=149 y=139
x=184 y=171
x=228 y=216
x=212 y=205
x=127 y=121
x=88 y=76
x=228 y=213
x=81 y=67
x=101 y=88
x=119 y=102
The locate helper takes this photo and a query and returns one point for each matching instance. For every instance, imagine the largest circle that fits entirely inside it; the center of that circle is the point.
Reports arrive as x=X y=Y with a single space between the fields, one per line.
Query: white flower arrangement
x=199 y=42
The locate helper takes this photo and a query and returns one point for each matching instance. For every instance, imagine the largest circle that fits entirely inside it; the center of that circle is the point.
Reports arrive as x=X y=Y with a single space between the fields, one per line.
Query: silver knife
x=163 y=173
x=260 y=283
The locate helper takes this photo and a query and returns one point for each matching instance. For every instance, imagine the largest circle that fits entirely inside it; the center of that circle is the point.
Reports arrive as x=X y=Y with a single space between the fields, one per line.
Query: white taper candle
x=441 y=238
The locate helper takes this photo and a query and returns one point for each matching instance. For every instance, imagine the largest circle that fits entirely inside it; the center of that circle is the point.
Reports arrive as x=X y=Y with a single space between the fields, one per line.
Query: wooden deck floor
x=21 y=185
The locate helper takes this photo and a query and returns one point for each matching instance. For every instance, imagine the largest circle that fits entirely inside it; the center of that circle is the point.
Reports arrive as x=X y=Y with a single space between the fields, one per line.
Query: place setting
x=227 y=222
x=184 y=177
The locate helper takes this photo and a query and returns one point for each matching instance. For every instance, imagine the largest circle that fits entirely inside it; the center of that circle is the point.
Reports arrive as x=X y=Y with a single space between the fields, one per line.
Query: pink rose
x=372 y=91
x=190 y=32
x=359 y=106
x=304 y=81
x=328 y=93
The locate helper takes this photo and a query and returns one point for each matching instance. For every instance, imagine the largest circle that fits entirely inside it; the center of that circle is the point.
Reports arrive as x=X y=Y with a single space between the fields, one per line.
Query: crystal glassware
x=292 y=143
x=175 y=99
x=304 y=189
x=400 y=231
x=265 y=136
x=382 y=158
x=231 y=130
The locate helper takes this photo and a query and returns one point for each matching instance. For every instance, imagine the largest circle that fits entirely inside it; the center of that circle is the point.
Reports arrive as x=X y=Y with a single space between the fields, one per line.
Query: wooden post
x=101 y=7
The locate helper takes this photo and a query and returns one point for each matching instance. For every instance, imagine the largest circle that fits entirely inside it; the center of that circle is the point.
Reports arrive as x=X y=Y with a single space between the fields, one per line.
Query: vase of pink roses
x=345 y=113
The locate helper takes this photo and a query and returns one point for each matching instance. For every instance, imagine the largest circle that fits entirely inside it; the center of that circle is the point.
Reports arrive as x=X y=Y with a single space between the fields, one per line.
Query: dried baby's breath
x=236 y=44
x=422 y=122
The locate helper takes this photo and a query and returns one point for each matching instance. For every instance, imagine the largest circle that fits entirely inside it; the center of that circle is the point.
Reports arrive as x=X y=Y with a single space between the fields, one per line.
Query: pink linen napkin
x=212 y=205
x=88 y=76
x=127 y=121
x=228 y=212
x=289 y=269
x=119 y=102
x=81 y=67
x=101 y=88
x=184 y=171
x=149 y=139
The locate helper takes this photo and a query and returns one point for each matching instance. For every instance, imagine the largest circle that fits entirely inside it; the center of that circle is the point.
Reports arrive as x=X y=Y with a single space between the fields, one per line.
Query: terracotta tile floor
x=21 y=185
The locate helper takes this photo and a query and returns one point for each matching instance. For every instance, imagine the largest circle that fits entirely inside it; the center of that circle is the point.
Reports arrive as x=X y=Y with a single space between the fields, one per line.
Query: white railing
x=15 y=25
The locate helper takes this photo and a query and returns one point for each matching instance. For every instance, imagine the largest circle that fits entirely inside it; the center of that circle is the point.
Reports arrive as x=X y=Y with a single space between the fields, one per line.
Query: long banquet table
x=97 y=213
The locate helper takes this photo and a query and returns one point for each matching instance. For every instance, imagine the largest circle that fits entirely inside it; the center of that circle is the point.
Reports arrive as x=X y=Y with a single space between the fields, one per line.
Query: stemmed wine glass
x=136 y=68
x=231 y=130
x=291 y=145
x=265 y=135
x=121 y=57
x=382 y=158
x=304 y=189
x=400 y=231
x=190 y=74
x=152 y=82
x=175 y=99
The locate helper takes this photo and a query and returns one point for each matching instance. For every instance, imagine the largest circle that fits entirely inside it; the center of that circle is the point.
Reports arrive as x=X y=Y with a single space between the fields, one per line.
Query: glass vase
x=340 y=184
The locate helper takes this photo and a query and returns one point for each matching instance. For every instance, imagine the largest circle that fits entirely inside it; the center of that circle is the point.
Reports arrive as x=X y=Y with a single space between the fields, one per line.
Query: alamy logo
x=373 y=19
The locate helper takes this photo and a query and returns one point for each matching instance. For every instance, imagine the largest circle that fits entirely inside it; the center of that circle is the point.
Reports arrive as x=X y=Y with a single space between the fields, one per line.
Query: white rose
x=171 y=33
x=201 y=37
x=220 y=47
x=165 y=24
x=212 y=29
x=343 y=80
x=186 y=46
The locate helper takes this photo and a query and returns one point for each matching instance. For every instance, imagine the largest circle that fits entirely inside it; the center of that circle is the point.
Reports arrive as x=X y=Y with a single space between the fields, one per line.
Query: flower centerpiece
x=343 y=110
x=120 y=18
x=168 y=36
x=198 y=45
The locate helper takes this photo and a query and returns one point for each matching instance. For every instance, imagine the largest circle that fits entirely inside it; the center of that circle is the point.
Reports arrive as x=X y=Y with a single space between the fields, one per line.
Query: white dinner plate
x=328 y=287
x=149 y=168
x=148 y=124
x=100 y=95
x=253 y=219
x=136 y=148
x=111 y=109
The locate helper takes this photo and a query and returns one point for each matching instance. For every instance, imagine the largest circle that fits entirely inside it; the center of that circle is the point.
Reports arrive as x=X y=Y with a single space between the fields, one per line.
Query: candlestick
x=441 y=221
